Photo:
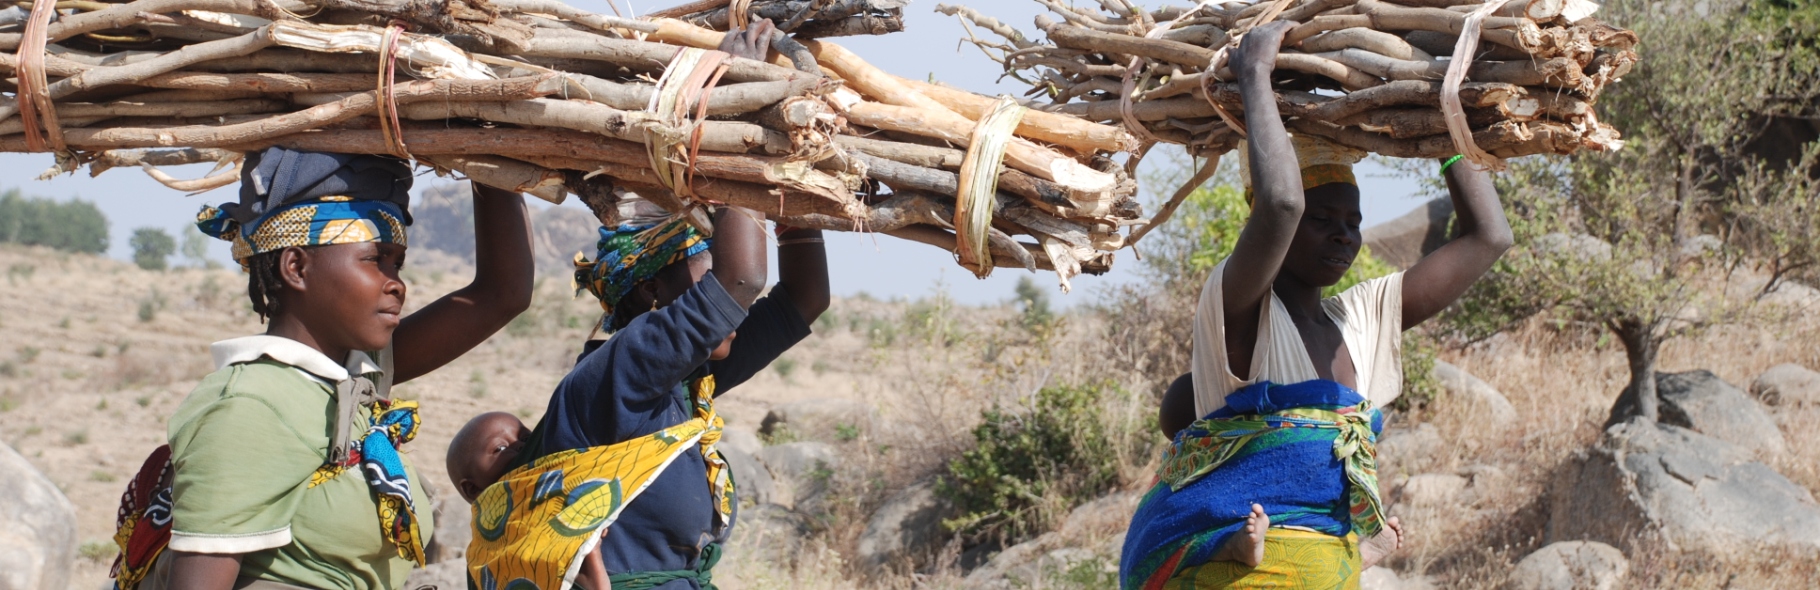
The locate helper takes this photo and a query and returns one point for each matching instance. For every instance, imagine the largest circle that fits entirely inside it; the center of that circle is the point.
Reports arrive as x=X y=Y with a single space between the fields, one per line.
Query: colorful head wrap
x=632 y=253
x=321 y=222
x=1322 y=162
x=290 y=198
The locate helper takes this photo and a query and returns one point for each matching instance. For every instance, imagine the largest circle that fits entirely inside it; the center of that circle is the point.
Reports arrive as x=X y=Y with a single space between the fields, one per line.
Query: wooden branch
x=506 y=173
x=352 y=106
x=189 y=54
x=1069 y=132
x=1157 y=49
x=105 y=160
x=717 y=136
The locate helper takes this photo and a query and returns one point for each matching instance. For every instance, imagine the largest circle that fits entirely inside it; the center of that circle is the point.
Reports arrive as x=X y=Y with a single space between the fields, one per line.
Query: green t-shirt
x=243 y=446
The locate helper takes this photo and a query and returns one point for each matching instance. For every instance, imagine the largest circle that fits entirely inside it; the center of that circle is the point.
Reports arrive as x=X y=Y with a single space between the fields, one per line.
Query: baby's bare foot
x=1386 y=542
x=1247 y=546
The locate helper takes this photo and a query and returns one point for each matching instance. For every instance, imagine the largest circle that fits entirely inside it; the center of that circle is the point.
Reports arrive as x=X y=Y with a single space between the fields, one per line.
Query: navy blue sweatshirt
x=633 y=384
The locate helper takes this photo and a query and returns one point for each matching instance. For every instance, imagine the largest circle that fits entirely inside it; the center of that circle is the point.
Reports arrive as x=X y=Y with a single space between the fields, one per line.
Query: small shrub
x=150 y=305
x=1420 y=387
x=782 y=434
x=143 y=401
x=8 y=369
x=846 y=432
x=34 y=430
x=100 y=476
x=8 y=403
x=102 y=405
x=1027 y=467
x=98 y=550
x=72 y=374
x=819 y=366
x=79 y=437
x=64 y=323
x=28 y=354
x=784 y=367
x=99 y=352
x=152 y=248
x=20 y=271
x=1035 y=316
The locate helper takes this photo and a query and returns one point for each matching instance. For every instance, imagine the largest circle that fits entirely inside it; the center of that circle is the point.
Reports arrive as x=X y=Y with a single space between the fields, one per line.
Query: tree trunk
x=1641 y=343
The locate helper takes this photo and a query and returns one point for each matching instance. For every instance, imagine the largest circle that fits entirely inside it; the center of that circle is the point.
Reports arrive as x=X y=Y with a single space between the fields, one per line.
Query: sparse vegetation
x=98 y=550
x=152 y=248
x=73 y=226
x=784 y=366
x=1028 y=466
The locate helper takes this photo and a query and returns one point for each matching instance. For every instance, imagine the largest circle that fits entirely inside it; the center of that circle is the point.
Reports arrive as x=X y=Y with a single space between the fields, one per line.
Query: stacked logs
x=805 y=19
x=541 y=97
x=1368 y=74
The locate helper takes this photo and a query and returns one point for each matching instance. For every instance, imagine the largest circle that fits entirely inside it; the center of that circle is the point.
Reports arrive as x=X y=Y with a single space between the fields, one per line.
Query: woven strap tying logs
x=388 y=91
x=979 y=184
x=1451 y=111
x=36 y=111
x=674 y=143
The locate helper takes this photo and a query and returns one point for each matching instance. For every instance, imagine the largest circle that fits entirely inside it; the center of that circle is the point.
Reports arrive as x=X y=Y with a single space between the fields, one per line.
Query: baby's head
x=484 y=450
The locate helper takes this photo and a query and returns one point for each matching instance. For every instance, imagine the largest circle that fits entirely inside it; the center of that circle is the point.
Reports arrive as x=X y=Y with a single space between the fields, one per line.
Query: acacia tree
x=1626 y=241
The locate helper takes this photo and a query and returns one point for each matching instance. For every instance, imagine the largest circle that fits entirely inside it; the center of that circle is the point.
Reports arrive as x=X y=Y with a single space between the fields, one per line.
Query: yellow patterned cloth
x=533 y=528
x=319 y=222
x=1293 y=560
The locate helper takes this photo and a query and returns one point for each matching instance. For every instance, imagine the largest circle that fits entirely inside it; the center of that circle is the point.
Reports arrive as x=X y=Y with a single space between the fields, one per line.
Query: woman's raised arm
x=503 y=270
x=1444 y=275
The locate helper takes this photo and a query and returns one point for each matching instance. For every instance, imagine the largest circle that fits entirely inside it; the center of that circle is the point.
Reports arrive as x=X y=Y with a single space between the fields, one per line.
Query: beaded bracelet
x=1450 y=162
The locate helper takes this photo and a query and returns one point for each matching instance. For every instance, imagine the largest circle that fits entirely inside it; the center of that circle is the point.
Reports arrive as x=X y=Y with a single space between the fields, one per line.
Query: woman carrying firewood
x=619 y=485
x=1276 y=482
x=283 y=469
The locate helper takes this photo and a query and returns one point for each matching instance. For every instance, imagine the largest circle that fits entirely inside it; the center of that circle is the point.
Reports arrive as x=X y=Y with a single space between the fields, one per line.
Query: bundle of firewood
x=541 y=97
x=1369 y=74
x=805 y=19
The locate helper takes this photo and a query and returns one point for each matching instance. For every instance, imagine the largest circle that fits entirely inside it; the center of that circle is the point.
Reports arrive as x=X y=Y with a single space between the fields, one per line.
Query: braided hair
x=263 y=283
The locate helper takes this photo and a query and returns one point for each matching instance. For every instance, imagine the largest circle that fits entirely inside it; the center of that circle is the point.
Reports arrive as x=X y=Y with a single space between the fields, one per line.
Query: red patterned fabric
x=144 y=521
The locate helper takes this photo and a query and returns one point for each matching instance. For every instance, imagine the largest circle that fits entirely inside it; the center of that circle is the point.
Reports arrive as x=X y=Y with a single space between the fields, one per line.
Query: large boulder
x=801 y=471
x=1406 y=239
x=1408 y=446
x=1475 y=394
x=37 y=528
x=824 y=419
x=1701 y=401
x=1787 y=384
x=1570 y=565
x=447 y=575
x=1693 y=491
x=907 y=529
x=1432 y=489
x=751 y=480
x=768 y=533
x=740 y=439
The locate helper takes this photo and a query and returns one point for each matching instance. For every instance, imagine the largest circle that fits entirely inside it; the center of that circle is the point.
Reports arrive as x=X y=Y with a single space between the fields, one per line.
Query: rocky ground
x=1511 y=480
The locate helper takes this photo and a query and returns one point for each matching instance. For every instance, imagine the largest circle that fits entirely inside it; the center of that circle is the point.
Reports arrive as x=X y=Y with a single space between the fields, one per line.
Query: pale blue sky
x=877 y=264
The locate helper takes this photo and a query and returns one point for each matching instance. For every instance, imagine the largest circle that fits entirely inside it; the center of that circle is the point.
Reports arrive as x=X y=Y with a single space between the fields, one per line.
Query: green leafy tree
x=195 y=248
x=1622 y=242
x=151 y=247
x=74 y=226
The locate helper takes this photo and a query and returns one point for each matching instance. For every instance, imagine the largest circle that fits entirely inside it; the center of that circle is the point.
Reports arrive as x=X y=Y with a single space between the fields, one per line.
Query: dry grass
x=86 y=387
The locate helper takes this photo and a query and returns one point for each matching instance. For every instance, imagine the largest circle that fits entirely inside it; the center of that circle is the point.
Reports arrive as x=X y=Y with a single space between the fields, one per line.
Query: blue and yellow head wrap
x=291 y=198
x=317 y=222
x=632 y=253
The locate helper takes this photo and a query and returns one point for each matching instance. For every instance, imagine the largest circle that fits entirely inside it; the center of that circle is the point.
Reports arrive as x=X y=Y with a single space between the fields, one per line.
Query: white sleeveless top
x=1370 y=317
